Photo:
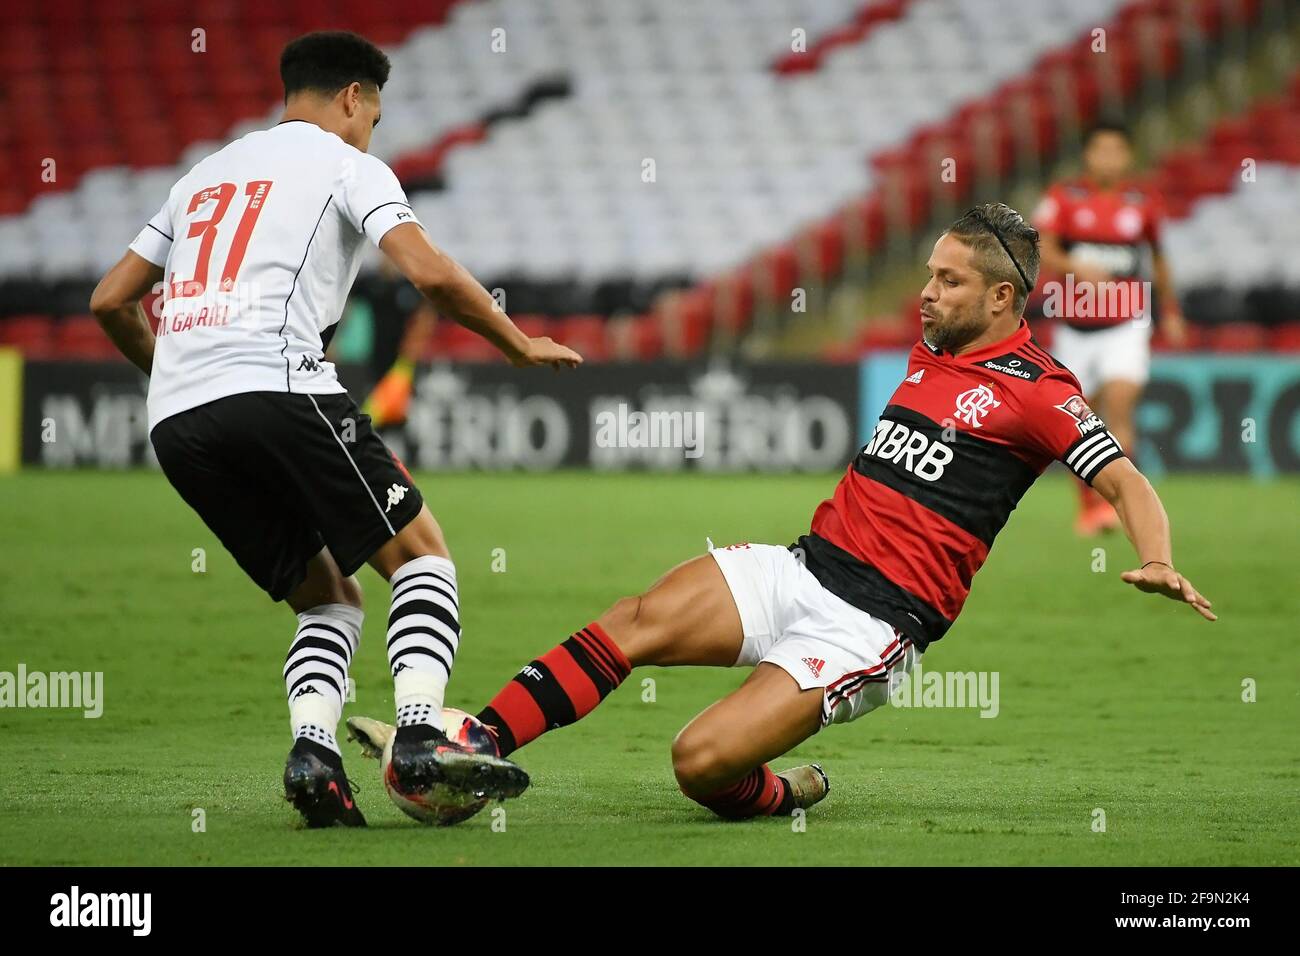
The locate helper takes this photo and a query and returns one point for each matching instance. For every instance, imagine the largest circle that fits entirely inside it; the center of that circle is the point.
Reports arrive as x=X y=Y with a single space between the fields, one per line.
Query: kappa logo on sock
x=401 y=667
x=815 y=665
x=305 y=689
x=528 y=670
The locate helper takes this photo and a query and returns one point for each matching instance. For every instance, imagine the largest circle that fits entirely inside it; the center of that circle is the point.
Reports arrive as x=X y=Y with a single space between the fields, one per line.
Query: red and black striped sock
x=759 y=793
x=560 y=687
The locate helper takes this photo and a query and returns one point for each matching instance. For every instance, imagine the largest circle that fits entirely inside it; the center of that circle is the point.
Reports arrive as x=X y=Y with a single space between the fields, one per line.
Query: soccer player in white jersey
x=258 y=246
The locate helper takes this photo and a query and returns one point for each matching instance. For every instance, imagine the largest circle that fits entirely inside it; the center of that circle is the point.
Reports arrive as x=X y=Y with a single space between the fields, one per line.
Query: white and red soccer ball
x=441 y=805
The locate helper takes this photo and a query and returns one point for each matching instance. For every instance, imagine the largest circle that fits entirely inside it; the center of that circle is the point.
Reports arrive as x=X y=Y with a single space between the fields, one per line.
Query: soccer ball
x=441 y=805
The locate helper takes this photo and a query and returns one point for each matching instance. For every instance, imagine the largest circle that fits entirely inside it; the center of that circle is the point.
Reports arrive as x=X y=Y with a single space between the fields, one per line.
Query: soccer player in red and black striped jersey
x=1101 y=233
x=828 y=622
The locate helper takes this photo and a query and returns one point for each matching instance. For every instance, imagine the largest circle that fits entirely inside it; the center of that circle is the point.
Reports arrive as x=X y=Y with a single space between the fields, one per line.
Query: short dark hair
x=1005 y=247
x=1116 y=126
x=326 y=61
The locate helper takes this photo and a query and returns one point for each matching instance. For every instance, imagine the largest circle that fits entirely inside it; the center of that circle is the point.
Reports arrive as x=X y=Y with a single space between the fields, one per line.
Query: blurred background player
x=1103 y=231
x=402 y=323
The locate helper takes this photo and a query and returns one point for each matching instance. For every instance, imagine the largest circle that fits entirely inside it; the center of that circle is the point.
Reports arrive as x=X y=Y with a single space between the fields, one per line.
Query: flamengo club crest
x=974 y=403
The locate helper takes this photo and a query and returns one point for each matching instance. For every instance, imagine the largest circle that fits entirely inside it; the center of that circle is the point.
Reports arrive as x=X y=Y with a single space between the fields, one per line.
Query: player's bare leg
x=422 y=536
x=422 y=639
x=328 y=605
x=390 y=400
x=324 y=584
x=1118 y=399
x=720 y=758
x=687 y=617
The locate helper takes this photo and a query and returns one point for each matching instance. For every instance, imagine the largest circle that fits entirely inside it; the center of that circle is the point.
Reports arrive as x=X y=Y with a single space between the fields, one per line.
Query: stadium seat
x=33 y=335
x=81 y=337
x=1285 y=338
x=1237 y=337
x=588 y=335
x=772 y=167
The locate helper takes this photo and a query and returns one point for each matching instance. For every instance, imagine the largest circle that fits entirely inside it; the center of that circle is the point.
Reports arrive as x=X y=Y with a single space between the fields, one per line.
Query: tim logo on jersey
x=1085 y=419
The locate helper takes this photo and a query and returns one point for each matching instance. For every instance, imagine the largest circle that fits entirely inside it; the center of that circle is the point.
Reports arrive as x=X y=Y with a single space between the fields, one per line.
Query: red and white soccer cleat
x=1098 y=518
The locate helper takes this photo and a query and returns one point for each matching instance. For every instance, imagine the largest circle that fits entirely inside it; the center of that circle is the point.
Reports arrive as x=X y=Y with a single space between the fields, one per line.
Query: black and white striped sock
x=316 y=670
x=423 y=634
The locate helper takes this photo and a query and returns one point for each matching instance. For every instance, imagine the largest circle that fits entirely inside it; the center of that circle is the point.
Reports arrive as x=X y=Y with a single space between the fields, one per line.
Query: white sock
x=316 y=670
x=423 y=634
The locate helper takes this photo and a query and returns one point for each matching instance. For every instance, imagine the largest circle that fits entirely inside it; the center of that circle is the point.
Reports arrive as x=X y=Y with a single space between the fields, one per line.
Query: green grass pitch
x=1109 y=699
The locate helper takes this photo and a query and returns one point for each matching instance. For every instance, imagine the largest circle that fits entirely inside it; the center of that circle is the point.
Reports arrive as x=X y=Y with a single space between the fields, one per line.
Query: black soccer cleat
x=314 y=782
x=423 y=757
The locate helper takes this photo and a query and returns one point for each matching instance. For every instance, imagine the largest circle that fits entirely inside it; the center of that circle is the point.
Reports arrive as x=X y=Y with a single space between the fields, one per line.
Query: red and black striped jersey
x=961 y=441
x=1117 y=230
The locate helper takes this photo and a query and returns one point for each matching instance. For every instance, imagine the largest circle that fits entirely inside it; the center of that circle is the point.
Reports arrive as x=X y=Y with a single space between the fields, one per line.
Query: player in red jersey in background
x=1102 y=233
x=885 y=569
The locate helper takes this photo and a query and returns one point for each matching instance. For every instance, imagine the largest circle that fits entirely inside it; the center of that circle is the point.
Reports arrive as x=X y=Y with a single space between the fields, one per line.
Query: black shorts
x=277 y=476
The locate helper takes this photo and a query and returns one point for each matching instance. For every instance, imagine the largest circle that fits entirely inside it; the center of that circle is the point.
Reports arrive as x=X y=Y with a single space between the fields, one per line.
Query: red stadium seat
x=1285 y=338
x=690 y=321
x=864 y=222
x=1237 y=337
x=889 y=333
x=735 y=303
x=588 y=335
x=533 y=326
x=780 y=269
x=81 y=337
x=12 y=201
x=33 y=335
x=647 y=337
x=454 y=341
x=827 y=242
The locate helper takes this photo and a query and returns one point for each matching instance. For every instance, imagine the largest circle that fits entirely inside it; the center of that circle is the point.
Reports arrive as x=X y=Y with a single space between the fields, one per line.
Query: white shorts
x=1121 y=353
x=820 y=640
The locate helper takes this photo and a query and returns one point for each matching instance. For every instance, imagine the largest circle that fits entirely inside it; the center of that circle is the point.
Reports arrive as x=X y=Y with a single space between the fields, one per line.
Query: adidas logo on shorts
x=815 y=665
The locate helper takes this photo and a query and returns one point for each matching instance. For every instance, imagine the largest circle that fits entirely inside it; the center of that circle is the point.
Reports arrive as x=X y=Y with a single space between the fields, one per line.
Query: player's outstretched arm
x=116 y=303
x=458 y=295
x=1147 y=526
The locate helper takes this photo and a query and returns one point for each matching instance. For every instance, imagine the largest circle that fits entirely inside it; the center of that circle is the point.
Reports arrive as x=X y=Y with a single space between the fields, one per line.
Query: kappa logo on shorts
x=308 y=364
x=815 y=665
x=395 y=495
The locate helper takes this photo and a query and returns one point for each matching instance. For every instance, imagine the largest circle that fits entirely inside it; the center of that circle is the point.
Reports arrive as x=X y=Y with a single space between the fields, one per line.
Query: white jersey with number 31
x=260 y=243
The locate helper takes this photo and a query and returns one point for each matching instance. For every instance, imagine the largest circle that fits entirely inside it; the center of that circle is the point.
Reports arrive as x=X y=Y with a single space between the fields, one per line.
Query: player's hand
x=545 y=351
x=1160 y=578
x=1174 y=328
